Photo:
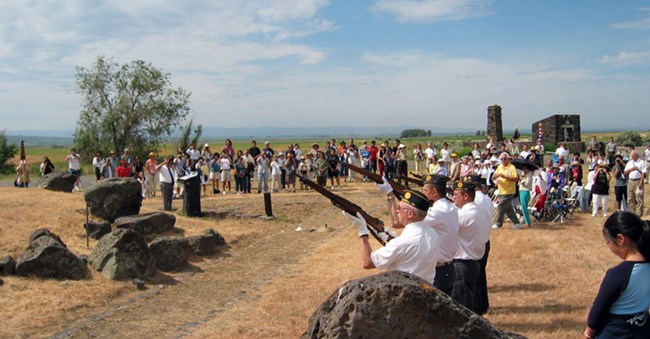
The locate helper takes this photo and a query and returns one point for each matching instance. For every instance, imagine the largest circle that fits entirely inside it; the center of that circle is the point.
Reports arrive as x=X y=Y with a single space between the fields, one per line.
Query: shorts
x=225 y=175
x=332 y=174
x=76 y=173
x=215 y=175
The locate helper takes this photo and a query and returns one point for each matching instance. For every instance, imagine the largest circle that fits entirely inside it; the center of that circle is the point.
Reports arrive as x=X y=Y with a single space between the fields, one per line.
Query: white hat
x=478 y=162
x=401 y=146
x=494 y=159
x=206 y=145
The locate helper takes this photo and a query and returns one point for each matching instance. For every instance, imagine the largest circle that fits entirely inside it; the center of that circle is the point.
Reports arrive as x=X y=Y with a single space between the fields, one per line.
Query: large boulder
x=206 y=243
x=123 y=255
x=60 y=182
x=169 y=253
x=396 y=305
x=44 y=232
x=115 y=197
x=97 y=229
x=150 y=223
x=45 y=257
x=7 y=265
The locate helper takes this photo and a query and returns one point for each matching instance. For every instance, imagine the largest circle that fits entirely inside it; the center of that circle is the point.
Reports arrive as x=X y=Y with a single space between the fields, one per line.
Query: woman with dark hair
x=47 y=166
x=620 y=309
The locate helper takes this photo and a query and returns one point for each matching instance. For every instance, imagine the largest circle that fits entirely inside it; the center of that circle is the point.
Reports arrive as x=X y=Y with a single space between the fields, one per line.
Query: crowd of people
x=447 y=225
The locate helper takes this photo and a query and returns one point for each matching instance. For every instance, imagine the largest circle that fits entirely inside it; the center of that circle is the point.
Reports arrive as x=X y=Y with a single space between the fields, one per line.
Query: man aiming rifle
x=415 y=251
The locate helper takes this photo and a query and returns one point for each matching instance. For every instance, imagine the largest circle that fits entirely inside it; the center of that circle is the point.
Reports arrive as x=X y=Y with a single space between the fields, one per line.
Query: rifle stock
x=375 y=225
x=398 y=189
x=417 y=175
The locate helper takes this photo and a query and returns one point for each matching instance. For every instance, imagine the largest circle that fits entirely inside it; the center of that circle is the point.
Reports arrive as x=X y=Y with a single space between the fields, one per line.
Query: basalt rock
x=396 y=305
x=206 y=243
x=46 y=257
x=7 y=265
x=97 y=229
x=113 y=198
x=169 y=253
x=150 y=223
x=60 y=182
x=123 y=255
x=44 y=232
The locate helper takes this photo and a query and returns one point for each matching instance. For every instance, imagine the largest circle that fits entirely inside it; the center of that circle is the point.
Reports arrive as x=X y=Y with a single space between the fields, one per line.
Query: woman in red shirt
x=123 y=171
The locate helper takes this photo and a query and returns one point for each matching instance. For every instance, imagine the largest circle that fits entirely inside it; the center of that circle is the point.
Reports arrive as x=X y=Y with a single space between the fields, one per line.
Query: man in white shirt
x=636 y=171
x=415 y=251
x=166 y=178
x=74 y=167
x=562 y=152
x=524 y=151
x=484 y=202
x=473 y=234
x=430 y=152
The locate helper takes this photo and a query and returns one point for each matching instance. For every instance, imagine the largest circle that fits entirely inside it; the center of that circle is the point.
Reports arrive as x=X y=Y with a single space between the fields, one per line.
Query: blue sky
x=280 y=63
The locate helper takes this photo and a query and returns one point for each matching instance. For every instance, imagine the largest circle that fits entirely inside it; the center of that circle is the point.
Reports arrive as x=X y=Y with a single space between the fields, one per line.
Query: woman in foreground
x=620 y=309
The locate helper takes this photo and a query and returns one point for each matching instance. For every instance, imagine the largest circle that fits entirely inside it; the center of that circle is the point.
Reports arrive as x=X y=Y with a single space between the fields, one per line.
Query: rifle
x=417 y=175
x=398 y=190
x=375 y=226
x=411 y=180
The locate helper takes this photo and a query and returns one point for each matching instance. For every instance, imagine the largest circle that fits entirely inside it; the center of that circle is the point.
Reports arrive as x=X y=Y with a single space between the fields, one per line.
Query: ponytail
x=631 y=226
x=644 y=241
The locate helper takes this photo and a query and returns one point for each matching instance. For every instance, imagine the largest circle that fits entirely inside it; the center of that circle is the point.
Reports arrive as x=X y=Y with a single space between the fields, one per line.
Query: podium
x=191 y=194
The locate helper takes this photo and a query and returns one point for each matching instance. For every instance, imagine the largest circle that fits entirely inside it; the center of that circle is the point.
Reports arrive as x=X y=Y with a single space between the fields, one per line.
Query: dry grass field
x=271 y=278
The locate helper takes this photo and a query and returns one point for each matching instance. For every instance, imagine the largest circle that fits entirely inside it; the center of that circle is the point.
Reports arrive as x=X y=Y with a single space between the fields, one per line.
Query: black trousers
x=483 y=304
x=444 y=279
x=167 y=191
x=466 y=282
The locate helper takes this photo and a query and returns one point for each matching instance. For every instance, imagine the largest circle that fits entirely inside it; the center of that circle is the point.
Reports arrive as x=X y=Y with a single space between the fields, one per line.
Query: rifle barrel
x=23 y=156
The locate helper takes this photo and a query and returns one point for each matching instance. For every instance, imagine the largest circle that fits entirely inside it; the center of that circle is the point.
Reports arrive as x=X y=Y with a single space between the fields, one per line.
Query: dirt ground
x=271 y=278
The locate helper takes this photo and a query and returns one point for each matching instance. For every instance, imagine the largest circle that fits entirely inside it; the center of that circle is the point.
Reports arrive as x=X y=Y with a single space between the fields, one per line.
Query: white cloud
x=432 y=10
x=625 y=58
x=636 y=24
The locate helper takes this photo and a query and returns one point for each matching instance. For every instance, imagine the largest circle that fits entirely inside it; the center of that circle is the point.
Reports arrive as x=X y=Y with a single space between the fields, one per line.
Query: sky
x=428 y=64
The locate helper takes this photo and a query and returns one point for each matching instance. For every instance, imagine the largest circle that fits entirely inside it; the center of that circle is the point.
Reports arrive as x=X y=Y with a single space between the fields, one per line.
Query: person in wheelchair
x=556 y=182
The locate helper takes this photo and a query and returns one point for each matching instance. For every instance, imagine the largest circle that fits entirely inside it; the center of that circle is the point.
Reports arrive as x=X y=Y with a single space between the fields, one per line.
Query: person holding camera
x=600 y=188
x=620 y=185
x=74 y=167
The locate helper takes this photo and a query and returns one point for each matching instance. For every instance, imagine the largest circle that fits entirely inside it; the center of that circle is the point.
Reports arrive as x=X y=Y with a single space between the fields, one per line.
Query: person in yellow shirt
x=505 y=178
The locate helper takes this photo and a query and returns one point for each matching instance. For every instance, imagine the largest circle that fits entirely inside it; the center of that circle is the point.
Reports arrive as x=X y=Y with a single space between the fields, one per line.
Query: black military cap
x=417 y=200
x=435 y=179
x=464 y=186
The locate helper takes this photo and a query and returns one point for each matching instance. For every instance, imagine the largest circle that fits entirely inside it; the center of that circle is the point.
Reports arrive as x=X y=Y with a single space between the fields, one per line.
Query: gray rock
x=44 y=232
x=46 y=257
x=123 y=255
x=169 y=253
x=113 y=198
x=98 y=229
x=206 y=243
x=7 y=265
x=150 y=223
x=59 y=182
x=396 y=305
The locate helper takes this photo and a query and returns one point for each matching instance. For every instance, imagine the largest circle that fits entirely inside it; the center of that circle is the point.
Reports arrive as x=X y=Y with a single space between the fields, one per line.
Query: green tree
x=187 y=132
x=6 y=152
x=131 y=105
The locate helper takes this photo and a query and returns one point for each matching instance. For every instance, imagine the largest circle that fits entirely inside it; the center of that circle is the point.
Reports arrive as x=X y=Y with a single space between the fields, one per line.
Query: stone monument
x=494 y=127
x=560 y=128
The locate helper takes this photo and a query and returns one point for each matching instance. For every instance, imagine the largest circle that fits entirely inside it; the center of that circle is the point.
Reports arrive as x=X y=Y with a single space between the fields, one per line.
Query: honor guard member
x=415 y=251
x=485 y=204
x=473 y=233
x=443 y=218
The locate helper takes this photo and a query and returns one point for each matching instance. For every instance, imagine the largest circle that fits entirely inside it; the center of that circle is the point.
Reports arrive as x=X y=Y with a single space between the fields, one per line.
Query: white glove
x=384 y=187
x=359 y=222
x=386 y=233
